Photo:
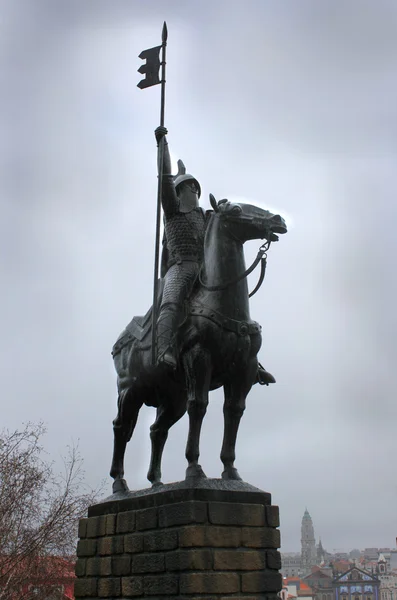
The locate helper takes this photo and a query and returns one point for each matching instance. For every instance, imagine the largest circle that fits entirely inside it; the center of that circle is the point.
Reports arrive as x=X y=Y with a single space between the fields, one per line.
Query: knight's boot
x=167 y=324
x=263 y=377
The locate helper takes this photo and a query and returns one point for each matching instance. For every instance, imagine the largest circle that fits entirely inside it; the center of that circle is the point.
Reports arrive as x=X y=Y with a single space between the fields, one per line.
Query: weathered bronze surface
x=205 y=335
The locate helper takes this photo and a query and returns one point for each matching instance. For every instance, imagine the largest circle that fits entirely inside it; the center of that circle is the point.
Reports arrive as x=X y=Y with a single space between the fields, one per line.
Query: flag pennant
x=151 y=68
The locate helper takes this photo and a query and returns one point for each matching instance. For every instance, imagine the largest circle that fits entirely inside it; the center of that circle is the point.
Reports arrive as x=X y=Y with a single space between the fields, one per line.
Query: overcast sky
x=290 y=104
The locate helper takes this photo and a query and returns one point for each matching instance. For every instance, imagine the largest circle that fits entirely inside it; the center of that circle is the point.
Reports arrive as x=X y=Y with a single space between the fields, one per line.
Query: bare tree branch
x=39 y=513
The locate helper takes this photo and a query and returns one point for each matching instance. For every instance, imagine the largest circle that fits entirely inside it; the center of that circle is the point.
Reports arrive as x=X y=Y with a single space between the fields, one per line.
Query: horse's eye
x=236 y=210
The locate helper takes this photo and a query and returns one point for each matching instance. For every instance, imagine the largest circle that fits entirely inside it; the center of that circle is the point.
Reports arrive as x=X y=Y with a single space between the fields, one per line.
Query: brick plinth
x=213 y=545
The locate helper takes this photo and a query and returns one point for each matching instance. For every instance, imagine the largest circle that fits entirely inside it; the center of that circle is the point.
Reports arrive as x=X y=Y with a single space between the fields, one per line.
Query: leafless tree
x=39 y=513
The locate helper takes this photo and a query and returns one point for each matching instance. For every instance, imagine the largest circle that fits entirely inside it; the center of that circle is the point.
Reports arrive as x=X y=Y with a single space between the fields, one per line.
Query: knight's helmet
x=186 y=204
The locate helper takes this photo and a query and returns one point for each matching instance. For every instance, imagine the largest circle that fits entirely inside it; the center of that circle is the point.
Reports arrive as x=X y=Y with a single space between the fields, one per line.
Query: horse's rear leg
x=197 y=365
x=166 y=417
x=123 y=427
x=233 y=409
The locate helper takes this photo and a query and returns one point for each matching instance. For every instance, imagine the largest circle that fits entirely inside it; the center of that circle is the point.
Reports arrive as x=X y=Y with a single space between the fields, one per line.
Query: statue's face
x=188 y=196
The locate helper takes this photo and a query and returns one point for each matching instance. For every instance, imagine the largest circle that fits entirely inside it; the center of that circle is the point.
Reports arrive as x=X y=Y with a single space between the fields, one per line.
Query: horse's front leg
x=236 y=393
x=123 y=427
x=197 y=366
x=167 y=415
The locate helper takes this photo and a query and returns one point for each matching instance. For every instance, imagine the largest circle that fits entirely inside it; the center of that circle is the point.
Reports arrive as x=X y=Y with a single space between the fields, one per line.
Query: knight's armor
x=184 y=230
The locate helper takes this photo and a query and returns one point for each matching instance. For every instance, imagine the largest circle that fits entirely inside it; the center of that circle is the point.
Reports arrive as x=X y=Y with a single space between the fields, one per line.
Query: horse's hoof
x=154 y=478
x=231 y=474
x=195 y=472
x=156 y=484
x=120 y=485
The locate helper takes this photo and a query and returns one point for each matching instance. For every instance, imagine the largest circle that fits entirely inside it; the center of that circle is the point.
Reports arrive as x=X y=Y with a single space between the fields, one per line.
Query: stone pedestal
x=215 y=541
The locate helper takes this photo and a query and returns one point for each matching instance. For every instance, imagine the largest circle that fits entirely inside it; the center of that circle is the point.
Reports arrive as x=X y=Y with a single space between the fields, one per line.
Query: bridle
x=261 y=257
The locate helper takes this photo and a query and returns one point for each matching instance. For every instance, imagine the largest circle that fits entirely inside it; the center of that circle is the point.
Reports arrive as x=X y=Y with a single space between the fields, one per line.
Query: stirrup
x=263 y=377
x=168 y=358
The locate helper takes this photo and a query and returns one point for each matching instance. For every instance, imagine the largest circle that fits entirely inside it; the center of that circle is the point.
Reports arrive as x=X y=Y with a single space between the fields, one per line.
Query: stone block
x=182 y=513
x=83 y=528
x=212 y=536
x=209 y=583
x=189 y=560
x=86 y=548
x=146 y=519
x=96 y=527
x=109 y=587
x=261 y=582
x=79 y=569
x=155 y=541
x=273 y=559
x=239 y=560
x=121 y=565
x=85 y=588
x=133 y=543
x=126 y=522
x=110 y=524
x=164 y=585
x=261 y=597
x=148 y=563
x=272 y=516
x=260 y=537
x=111 y=545
x=99 y=567
x=132 y=587
x=229 y=513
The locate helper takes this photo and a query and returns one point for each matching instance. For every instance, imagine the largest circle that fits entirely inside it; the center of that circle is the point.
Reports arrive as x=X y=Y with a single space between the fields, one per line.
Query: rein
x=261 y=257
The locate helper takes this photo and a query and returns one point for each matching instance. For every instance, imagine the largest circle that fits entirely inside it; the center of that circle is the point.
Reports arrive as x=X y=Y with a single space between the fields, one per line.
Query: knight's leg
x=179 y=281
x=123 y=427
x=197 y=365
x=167 y=325
x=165 y=418
x=235 y=394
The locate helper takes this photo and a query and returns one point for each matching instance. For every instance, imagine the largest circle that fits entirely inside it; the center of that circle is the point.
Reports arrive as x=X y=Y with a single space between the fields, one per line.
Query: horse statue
x=218 y=345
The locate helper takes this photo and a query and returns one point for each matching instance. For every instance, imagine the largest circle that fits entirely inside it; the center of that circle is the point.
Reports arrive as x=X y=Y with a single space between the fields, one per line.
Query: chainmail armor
x=185 y=236
x=179 y=282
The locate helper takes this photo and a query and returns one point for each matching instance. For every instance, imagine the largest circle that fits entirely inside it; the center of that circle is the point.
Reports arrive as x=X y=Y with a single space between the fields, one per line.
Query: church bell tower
x=308 y=544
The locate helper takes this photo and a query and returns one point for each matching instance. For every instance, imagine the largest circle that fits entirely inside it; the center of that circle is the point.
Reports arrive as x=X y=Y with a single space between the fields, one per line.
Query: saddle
x=139 y=328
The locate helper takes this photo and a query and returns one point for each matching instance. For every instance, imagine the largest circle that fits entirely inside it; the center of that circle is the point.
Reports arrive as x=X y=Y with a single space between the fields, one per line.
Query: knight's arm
x=164 y=258
x=169 y=198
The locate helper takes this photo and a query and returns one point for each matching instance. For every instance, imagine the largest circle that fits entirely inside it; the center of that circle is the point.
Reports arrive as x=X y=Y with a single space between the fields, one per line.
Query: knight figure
x=183 y=246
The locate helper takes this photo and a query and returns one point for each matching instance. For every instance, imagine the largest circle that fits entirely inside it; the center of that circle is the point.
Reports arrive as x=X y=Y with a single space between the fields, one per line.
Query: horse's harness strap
x=240 y=327
x=260 y=258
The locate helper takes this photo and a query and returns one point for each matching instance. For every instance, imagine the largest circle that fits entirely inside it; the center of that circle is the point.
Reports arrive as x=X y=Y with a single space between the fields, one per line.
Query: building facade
x=291 y=564
x=356 y=584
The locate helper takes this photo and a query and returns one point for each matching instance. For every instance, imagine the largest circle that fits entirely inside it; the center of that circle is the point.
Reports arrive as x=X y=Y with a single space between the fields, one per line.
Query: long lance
x=159 y=194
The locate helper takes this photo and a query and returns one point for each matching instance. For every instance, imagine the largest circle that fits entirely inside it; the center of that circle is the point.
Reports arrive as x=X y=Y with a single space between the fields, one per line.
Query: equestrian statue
x=198 y=335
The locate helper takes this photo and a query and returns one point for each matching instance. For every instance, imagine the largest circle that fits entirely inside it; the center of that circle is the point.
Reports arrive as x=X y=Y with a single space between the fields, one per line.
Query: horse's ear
x=214 y=203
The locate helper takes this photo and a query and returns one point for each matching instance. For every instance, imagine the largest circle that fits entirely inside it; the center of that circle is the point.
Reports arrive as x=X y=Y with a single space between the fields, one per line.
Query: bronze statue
x=183 y=246
x=198 y=335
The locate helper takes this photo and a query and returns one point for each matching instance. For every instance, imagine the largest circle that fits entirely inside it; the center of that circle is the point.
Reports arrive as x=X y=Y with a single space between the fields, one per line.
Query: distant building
x=393 y=560
x=387 y=578
x=321 y=583
x=291 y=564
x=356 y=584
x=371 y=553
x=308 y=544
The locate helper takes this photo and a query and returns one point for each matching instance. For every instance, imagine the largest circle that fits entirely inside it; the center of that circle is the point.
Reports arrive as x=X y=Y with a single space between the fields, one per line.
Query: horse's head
x=248 y=222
